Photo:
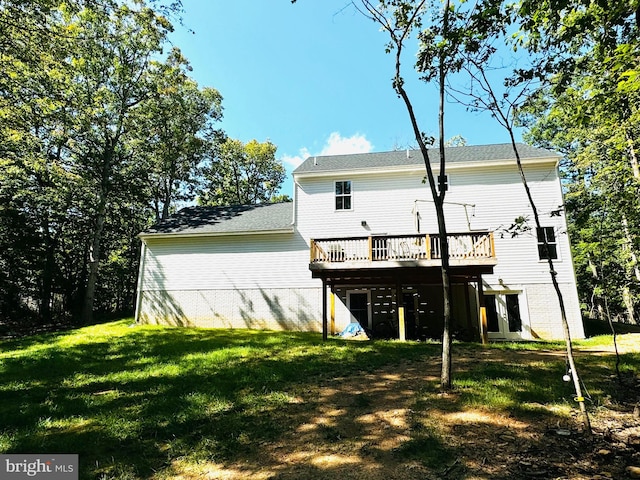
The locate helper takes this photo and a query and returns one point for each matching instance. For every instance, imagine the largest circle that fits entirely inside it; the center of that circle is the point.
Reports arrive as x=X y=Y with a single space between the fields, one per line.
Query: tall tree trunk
x=503 y=119
x=563 y=312
x=627 y=296
x=633 y=158
x=167 y=198
x=46 y=294
x=96 y=240
x=445 y=376
x=445 y=372
x=94 y=261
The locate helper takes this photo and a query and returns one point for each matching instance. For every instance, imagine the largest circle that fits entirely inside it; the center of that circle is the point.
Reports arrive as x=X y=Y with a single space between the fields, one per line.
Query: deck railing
x=462 y=246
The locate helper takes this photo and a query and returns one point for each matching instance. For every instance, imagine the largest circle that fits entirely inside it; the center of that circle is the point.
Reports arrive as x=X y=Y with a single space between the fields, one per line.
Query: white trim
x=143 y=235
x=295 y=204
x=523 y=307
x=343 y=195
x=143 y=257
x=421 y=168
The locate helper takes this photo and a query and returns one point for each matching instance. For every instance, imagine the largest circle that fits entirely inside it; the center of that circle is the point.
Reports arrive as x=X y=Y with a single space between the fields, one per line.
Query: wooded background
x=103 y=132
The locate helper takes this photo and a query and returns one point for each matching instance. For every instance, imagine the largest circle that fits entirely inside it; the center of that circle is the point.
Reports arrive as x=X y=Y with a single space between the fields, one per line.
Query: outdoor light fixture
x=363 y=223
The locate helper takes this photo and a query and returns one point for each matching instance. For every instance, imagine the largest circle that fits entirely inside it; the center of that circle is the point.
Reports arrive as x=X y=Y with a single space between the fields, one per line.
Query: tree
x=593 y=81
x=487 y=25
x=35 y=187
x=440 y=26
x=110 y=81
x=242 y=174
x=601 y=193
x=78 y=81
x=176 y=131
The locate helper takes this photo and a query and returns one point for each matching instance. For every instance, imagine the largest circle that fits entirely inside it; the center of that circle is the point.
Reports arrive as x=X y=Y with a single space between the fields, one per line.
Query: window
x=513 y=313
x=343 y=195
x=493 y=324
x=443 y=181
x=551 y=249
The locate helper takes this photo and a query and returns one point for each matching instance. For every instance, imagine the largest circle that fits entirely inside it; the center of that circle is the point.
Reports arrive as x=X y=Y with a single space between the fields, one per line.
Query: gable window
x=550 y=250
x=343 y=195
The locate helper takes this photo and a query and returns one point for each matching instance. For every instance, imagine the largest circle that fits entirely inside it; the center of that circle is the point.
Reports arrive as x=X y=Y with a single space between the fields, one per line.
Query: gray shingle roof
x=225 y=220
x=399 y=158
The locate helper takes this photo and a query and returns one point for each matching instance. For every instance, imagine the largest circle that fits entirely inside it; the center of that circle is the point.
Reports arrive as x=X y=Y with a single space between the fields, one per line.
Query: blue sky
x=311 y=77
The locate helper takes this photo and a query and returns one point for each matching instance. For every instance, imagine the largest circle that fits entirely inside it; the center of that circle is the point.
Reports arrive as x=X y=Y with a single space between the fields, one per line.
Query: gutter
x=420 y=167
x=144 y=236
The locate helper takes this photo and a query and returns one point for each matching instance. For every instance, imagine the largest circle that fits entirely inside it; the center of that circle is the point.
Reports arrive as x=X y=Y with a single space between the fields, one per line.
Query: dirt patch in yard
x=392 y=424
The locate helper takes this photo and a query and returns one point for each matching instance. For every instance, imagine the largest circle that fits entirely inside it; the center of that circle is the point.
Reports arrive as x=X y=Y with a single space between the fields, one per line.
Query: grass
x=133 y=399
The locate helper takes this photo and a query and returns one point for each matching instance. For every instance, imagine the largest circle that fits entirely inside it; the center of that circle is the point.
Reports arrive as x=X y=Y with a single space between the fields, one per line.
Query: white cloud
x=336 y=144
x=303 y=154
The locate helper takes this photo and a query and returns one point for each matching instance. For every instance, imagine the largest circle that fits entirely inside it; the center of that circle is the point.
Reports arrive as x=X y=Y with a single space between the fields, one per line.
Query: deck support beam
x=324 y=309
x=484 y=335
x=332 y=309
x=402 y=333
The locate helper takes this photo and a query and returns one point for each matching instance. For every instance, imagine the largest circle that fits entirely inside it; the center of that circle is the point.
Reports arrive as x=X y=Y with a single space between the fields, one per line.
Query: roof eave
x=419 y=168
x=145 y=235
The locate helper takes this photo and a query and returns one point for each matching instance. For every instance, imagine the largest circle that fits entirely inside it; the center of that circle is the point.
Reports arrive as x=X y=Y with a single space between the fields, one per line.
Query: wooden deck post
x=332 y=309
x=484 y=335
x=427 y=245
x=493 y=246
x=324 y=309
x=402 y=334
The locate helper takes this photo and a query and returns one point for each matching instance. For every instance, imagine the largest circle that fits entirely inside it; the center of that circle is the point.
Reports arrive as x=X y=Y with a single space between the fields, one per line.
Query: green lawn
x=132 y=399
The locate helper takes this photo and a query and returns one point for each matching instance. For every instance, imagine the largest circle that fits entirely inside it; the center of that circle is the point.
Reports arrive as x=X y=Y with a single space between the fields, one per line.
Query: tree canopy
x=242 y=174
x=102 y=131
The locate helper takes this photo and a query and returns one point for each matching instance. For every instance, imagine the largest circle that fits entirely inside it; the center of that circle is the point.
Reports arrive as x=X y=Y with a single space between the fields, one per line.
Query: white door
x=504 y=319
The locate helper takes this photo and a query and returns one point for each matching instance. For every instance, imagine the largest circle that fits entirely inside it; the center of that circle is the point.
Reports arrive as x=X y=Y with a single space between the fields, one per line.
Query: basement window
x=343 y=195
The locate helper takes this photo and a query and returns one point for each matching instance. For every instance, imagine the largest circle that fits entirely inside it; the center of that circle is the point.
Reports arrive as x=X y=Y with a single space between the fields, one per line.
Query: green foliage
x=242 y=174
x=175 y=145
x=100 y=133
x=588 y=111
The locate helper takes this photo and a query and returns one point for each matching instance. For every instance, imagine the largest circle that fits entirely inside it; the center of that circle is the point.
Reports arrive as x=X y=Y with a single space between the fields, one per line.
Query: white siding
x=227 y=263
x=544 y=311
x=263 y=281
x=262 y=308
x=494 y=197
x=479 y=198
x=250 y=281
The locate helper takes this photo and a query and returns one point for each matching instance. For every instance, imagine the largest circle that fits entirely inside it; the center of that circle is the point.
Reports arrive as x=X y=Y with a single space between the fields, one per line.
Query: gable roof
x=407 y=158
x=236 y=219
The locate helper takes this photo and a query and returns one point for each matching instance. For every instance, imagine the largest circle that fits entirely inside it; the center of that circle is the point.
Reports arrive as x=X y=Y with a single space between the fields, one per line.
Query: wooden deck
x=388 y=251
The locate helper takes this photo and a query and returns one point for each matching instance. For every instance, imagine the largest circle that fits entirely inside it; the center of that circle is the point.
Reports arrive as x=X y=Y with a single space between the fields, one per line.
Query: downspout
x=295 y=203
x=143 y=256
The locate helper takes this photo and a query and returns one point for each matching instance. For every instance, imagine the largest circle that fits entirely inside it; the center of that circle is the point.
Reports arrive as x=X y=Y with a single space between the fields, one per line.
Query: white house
x=359 y=242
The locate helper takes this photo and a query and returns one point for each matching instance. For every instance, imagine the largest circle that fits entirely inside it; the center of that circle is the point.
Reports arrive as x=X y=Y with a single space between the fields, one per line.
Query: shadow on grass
x=144 y=396
x=131 y=401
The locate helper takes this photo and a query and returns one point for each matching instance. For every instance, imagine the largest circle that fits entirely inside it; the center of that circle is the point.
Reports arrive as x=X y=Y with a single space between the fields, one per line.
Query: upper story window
x=343 y=195
x=443 y=181
x=550 y=250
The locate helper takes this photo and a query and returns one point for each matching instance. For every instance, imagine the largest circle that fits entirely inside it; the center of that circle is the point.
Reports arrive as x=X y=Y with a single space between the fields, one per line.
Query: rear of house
x=359 y=243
